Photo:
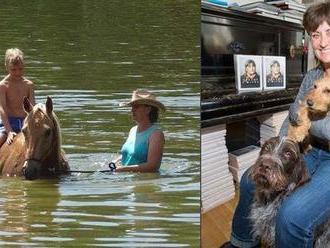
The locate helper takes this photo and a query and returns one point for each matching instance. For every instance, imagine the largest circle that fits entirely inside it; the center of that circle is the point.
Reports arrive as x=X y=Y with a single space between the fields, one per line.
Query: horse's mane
x=53 y=118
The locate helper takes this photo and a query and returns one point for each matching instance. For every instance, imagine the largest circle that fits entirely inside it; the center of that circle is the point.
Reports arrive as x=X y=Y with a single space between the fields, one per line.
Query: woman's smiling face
x=320 y=39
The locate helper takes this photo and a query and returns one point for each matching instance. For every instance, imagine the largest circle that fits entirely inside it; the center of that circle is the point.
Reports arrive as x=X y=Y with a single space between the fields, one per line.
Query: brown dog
x=315 y=105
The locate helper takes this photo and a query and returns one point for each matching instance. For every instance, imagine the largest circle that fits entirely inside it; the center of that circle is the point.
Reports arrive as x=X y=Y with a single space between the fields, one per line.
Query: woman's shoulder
x=155 y=129
x=312 y=75
x=157 y=134
x=316 y=72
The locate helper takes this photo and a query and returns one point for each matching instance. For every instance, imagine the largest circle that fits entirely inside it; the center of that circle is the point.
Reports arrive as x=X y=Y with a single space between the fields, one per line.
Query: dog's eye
x=315 y=87
x=327 y=91
x=266 y=148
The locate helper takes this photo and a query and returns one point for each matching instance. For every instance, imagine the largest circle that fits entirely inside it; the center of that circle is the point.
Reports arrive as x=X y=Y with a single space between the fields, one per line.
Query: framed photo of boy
x=248 y=72
x=274 y=68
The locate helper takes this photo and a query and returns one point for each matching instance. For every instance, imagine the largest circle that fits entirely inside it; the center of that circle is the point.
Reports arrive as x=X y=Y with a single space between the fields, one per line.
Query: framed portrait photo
x=248 y=72
x=274 y=71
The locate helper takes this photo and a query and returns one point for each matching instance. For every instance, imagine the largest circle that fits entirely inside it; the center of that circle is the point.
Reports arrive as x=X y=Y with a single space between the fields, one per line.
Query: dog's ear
x=269 y=145
x=250 y=170
x=300 y=174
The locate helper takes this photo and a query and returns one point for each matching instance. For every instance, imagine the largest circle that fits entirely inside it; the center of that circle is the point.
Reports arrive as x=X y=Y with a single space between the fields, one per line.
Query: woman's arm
x=305 y=86
x=155 y=153
x=321 y=128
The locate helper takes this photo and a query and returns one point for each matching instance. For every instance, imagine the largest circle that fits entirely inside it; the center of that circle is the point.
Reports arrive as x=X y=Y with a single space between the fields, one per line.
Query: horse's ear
x=27 y=105
x=49 y=105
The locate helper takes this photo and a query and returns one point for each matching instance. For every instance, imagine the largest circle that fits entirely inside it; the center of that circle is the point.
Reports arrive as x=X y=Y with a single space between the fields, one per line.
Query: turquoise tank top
x=135 y=149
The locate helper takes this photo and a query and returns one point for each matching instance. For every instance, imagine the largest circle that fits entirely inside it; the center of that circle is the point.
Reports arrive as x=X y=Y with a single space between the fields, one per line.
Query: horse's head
x=42 y=139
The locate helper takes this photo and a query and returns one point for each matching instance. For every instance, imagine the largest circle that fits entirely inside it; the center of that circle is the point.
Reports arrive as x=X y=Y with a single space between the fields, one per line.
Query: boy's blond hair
x=13 y=56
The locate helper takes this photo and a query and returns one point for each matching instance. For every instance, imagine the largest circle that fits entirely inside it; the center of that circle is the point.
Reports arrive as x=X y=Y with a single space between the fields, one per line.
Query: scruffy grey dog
x=322 y=236
x=278 y=171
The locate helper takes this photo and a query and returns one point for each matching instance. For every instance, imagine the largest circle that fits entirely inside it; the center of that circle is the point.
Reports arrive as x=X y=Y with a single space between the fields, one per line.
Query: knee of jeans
x=291 y=220
x=284 y=218
x=246 y=184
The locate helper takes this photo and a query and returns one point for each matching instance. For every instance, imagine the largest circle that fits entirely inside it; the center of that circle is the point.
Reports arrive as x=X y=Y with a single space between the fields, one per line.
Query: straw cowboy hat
x=144 y=97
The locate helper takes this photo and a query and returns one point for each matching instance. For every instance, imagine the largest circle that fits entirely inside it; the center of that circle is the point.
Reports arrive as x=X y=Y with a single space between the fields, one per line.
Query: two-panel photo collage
x=169 y=123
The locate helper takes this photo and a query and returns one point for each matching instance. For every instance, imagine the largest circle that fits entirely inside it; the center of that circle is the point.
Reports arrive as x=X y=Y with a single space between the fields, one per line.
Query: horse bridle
x=50 y=169
x=112 y=165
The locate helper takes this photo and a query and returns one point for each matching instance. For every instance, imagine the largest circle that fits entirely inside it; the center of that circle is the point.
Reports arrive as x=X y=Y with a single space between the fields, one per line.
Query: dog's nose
x=309 y=102
x=266 y=166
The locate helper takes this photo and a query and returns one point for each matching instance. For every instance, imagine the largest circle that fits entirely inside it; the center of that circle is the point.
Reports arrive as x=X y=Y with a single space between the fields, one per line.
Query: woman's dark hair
x=275 y=62
x=153 y=115
x=250 y=61
x=316 y=15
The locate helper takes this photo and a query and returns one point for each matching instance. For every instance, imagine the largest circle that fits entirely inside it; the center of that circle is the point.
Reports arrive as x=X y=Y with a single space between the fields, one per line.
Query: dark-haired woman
x=143 y=149
x=308 y=206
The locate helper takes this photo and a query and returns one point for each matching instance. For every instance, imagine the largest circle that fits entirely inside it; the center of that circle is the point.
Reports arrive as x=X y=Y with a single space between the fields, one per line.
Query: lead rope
x=112 y=168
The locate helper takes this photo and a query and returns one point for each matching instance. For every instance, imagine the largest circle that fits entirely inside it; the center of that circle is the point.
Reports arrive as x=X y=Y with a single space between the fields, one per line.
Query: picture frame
x=248 y=73
x=274 y=72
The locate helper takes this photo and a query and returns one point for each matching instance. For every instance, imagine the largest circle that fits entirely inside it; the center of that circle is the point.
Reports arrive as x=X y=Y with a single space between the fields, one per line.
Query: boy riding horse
x=13 y=88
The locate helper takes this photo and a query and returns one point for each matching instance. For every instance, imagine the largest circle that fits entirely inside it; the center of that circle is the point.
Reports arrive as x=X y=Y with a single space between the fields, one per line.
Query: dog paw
x=295 y=120
x=305 y=148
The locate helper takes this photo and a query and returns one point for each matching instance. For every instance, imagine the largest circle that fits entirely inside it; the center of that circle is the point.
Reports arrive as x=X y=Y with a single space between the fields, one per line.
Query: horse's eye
x=47 y=131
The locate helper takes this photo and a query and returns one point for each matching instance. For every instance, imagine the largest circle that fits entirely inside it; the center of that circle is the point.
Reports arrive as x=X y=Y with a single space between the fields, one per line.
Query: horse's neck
x=12 y=156
x=18 y=145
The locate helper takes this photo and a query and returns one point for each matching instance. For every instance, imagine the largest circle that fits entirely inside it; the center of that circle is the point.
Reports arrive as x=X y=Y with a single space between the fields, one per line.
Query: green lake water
x=89 y=56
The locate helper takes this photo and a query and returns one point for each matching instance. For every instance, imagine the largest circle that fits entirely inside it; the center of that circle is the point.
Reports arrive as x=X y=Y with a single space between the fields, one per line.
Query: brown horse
x=36 y=151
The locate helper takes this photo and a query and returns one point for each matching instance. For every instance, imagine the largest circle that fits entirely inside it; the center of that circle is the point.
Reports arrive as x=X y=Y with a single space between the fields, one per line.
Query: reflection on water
x=99 y=209
x=89 y=56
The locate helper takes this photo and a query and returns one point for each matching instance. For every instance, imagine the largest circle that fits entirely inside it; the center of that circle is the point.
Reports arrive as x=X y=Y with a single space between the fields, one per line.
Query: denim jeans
x=299 y=214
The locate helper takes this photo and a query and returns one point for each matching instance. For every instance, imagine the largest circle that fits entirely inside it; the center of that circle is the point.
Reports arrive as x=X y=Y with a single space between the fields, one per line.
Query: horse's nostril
x=31 y=176
x=310 y=103
x=31 y=170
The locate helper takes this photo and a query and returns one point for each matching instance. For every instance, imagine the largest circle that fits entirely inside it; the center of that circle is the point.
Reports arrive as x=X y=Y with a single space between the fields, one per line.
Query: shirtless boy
x=13 y=88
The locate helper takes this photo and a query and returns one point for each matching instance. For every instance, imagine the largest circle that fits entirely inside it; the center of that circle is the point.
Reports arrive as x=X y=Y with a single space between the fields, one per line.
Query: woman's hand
x=112 y=166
